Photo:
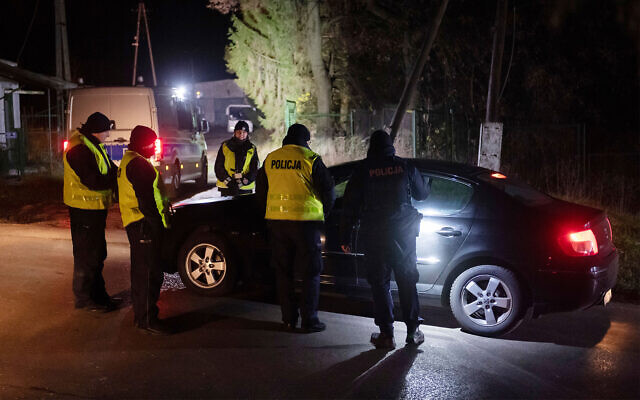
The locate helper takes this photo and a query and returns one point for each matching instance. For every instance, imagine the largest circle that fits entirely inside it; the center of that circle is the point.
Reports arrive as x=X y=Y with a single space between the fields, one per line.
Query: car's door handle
x=448 y=231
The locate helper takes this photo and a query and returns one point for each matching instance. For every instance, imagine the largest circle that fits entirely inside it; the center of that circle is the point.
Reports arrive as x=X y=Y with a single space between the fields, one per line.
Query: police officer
x=297 y=190
x=237 y=163
x=379 y=196
x=144 y=216
x=89 y=184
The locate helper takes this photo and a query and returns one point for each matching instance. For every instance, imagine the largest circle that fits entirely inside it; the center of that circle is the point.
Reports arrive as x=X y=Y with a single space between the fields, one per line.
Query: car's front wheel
x=487 y=300
x=206 y=265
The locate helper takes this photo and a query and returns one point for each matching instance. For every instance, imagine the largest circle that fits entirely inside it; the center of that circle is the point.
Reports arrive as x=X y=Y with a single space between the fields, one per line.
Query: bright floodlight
x=179 y=92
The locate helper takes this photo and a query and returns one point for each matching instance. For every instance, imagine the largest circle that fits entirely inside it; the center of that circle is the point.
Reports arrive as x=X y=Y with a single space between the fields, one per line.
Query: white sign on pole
x=490 y=145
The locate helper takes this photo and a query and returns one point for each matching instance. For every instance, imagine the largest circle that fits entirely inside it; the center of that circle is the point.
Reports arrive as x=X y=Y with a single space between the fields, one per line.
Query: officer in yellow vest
x=144 y=216
x=237 y=163
x=297 y=191
x=89 y=184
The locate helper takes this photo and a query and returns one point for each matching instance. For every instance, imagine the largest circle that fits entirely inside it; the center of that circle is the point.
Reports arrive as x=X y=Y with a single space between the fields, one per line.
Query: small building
x=13 y=151
x=9 y=122
x=9 y=106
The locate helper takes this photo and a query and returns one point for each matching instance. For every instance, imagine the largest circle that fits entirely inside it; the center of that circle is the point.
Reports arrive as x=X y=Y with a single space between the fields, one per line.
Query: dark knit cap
x=142 y=136
x=380 y=144
x=96 y=123
x=242 y=126
x=297 y=134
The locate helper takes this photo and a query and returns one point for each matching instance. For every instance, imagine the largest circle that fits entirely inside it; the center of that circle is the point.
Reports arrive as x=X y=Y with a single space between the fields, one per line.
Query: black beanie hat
x=380 y=144
x=242 y=126
x=297 y=134
x=96 y=123
x=142 y=136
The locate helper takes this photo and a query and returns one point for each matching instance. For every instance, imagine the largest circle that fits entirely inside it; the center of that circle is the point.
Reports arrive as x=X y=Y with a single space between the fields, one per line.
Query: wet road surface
x=233 y=346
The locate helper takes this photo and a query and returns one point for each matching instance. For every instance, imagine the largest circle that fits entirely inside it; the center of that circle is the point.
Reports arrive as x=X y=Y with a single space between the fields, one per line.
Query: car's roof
x=446 y=167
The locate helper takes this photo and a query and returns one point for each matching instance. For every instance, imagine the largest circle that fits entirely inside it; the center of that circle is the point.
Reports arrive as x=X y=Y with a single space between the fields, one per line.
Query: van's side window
x=185 y=117
x=166 y=112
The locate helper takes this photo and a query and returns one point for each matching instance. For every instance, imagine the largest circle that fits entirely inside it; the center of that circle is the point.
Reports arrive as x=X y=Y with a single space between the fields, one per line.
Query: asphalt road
x=233 y=347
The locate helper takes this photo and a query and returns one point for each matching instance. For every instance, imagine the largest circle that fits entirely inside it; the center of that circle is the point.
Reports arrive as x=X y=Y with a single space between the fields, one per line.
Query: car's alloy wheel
x=206 y=265
x=487 y=300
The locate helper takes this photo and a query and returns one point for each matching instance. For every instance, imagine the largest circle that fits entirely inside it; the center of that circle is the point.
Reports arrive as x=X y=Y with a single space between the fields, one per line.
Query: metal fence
x=348 y=134
x=44 y=141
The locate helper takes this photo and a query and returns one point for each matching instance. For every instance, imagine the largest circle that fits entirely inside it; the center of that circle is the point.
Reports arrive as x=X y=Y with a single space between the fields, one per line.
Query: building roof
x=10 y=71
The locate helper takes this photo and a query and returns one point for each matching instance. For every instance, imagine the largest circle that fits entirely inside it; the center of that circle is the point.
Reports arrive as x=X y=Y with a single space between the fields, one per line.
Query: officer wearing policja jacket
x=237 y=163
x=378 y=196
x=144 y=212
x=296 y=189
x=89 y=185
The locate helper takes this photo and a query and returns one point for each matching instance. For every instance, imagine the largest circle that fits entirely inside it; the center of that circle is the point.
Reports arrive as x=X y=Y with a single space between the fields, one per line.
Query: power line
x=24 y=43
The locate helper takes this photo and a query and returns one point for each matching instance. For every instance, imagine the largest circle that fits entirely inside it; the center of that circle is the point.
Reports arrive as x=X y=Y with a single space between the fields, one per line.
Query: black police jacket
x=379 y=194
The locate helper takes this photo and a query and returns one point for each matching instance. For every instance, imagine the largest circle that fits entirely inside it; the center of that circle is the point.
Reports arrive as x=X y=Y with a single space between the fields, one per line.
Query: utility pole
x=490 y=144
x=63 y=66
x=416 y=73
x=142 y=15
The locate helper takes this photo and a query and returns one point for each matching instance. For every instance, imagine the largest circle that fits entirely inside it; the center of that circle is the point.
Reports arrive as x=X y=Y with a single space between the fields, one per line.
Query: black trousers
x=385 y=253
x=146 y=270
x=296 y=246
x=89 y=253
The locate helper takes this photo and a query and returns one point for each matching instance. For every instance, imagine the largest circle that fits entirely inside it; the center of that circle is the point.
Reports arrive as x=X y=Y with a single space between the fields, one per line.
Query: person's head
x=241 y=131
x=143 y=141
x=380 y=144
x=297 y=134
x=98 y=125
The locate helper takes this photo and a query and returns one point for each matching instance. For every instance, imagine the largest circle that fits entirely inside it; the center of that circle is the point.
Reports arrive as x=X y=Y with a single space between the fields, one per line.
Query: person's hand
x=345 y=248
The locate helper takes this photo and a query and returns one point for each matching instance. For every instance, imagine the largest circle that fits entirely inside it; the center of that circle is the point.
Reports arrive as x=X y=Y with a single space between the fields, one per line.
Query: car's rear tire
x=176 y=177
x=175 y=182
x=203 y=180
x=206 y=264
x=487 y=300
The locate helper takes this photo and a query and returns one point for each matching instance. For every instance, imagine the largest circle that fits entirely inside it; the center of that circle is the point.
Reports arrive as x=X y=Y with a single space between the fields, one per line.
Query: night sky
x=188 y=39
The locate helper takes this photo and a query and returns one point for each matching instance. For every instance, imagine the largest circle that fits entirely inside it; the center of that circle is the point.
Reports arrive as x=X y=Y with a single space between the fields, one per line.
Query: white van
x=181 y=150
x=239 y=112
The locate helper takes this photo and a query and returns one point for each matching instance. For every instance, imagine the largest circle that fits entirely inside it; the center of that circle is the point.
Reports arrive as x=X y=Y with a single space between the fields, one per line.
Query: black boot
x=154 y=327
x=383 y=340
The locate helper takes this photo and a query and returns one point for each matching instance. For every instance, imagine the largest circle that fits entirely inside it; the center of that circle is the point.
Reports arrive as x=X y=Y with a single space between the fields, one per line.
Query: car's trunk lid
x=565 y=216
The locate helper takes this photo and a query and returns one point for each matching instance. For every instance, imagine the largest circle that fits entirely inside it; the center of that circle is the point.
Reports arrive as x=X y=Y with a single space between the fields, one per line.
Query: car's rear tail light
x=577 y=244
x=498 y=175
x=158 y=149
x=65 y=144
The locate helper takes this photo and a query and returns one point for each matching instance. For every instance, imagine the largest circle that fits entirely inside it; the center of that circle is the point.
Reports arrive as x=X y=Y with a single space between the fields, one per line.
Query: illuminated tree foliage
x=562 y=52
x=266 y=53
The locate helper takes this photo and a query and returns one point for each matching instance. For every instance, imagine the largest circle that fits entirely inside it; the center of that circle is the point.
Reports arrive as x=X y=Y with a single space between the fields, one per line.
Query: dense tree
x=564 y=61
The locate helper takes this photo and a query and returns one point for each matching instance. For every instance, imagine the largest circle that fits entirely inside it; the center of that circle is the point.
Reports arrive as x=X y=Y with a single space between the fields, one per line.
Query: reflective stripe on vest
x=230 y=165
x=291 y=195
x=77 y=195
x=129 y=206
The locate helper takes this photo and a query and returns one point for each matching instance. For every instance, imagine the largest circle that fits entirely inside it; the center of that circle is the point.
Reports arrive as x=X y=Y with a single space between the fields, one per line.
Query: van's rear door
x=126 y=106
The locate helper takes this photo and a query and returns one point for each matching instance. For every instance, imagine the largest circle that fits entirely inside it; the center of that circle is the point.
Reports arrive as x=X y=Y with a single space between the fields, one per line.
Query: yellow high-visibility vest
x=230 y=166
x=77 y=195
x=291 y=195
x=129 y=206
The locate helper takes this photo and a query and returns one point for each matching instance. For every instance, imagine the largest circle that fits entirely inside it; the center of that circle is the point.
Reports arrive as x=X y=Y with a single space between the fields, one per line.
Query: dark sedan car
x=490 y=247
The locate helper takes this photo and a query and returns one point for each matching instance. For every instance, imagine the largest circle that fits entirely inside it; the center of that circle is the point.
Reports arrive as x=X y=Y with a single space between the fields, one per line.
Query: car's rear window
x=520 y=191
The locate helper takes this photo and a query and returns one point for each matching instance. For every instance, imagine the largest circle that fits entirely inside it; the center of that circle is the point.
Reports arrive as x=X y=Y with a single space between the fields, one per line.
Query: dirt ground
x=38 y=199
